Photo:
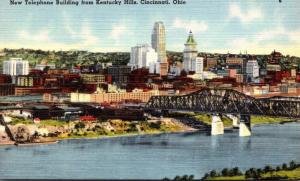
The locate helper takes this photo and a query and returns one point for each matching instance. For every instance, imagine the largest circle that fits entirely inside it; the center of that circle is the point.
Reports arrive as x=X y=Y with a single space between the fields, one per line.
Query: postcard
x=150 y=89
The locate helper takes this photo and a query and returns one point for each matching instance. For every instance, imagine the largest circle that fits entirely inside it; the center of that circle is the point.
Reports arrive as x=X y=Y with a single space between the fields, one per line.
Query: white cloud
x=245 y=16
x=86 y=35
x=195 y=26
x=42 y=35
x=265 y=42
x=67 y=25
x=117 y=32
x=82 y=39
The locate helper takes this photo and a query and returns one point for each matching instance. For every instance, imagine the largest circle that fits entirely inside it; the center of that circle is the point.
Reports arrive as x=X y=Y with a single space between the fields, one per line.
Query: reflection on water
x=152 y=156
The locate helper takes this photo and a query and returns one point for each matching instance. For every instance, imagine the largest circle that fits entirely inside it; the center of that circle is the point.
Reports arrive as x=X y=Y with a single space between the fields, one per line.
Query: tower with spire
x=189 y=53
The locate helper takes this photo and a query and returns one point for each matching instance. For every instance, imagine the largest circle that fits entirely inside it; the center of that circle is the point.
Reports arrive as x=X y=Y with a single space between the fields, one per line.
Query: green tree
x=213 y=173
x=284 y=166
x=278 y=168
x=268 y=168
x=225 y=172
x=79 y=125
x=236 y=171
x=293 y=165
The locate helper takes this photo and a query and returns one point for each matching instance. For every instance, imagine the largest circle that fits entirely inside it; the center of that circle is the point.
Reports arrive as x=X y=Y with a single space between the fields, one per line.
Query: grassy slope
x=291 y=174
x=268 y=120
x=206 y=118
x=228 y=178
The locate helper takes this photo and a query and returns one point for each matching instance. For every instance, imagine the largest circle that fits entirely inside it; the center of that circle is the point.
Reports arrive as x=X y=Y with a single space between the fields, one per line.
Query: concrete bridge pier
x=217 y=127
x=235 y=120
x=245 y=126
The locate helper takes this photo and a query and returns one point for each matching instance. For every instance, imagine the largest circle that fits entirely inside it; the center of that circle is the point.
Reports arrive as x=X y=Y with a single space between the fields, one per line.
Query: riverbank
x=49 y=131
x=52 y=130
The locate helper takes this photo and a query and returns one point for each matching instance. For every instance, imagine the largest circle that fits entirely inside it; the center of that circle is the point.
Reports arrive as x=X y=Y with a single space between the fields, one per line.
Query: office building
x=252 y=69
x=158 y=41
x=119 y=74
x=190 y=53
x=143 y=56
x=197 y=65
x=15 y=66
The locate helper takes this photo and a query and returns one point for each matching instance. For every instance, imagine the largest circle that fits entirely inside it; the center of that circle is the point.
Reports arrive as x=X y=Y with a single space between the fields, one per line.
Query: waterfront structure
x=158 y=42
x=252 y=69
x=35 y=90
x=15 y=66
x=110 y=97
x=56 y=97
x=143 y=56
x=190 y=53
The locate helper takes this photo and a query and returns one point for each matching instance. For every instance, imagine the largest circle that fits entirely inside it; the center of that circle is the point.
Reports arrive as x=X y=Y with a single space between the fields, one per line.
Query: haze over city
x=256 y=26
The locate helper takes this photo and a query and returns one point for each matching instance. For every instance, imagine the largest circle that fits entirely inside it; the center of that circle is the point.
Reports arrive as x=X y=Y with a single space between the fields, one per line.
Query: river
x=152 y=156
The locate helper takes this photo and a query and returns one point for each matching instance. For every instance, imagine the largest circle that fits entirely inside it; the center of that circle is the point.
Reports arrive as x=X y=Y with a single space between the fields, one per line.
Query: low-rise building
x=56 y=97
x=119 y=74
x=106 y=97
x=93 y=78
x=7 y=89
x=211 y=62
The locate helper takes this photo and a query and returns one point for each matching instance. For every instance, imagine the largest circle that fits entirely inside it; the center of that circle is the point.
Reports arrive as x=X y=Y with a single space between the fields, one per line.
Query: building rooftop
x=191 y=39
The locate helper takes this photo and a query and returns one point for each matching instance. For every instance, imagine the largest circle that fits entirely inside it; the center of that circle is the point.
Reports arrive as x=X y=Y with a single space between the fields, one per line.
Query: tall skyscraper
x=159 y=41
x=159 y=45
x=15 y=66
x=190 y=53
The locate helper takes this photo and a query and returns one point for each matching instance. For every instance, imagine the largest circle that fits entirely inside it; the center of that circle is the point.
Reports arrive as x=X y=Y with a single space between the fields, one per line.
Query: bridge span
x=230 y=102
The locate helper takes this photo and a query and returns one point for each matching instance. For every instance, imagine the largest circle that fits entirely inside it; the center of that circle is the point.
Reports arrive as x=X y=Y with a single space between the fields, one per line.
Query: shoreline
x=58 y=140
x=191 y=130
x=128 y=135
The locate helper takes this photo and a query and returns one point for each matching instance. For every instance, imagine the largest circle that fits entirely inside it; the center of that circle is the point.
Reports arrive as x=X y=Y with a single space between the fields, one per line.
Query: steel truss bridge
x=227 y=101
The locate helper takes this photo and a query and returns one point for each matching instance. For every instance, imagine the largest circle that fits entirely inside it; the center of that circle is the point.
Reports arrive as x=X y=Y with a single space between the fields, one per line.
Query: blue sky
x=258 y=26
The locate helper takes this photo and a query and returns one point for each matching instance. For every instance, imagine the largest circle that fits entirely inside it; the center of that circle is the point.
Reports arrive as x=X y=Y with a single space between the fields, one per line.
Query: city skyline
x=234 y=26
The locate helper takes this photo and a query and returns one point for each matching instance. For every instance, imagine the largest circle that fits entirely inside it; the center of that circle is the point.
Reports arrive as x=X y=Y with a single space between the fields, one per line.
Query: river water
x=152 y=156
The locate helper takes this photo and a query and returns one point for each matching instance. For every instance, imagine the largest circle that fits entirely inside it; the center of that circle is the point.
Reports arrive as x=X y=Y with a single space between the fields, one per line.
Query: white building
x=197 y=65
x=190 y=53
x=43 y=66
x=16 y=66
x=252 y=69
x=143 y=56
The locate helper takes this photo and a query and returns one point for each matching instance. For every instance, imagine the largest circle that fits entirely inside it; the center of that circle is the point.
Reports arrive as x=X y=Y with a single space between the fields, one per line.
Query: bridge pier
x=245 y=126
x=217 y=127
x=235 y=120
